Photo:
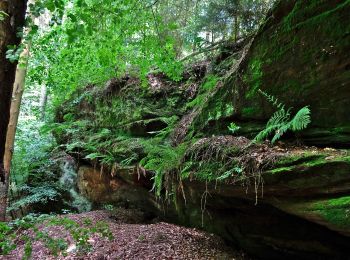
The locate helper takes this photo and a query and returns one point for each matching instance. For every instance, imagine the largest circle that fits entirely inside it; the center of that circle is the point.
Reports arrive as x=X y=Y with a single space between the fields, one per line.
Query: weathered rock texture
x=301 y=56
x=127 y=189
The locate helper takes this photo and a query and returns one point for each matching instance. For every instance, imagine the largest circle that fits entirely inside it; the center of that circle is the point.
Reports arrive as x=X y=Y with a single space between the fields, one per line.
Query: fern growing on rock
x=281 y=121
x=161 y=159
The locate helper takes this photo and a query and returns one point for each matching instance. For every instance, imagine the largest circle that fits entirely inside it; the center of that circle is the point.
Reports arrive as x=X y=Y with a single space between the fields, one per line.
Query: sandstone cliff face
x=125 y=190
x=287 y=200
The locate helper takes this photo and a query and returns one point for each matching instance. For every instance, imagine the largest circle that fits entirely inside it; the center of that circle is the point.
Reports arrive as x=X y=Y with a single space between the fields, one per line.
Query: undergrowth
x=40 y=191
x=30 y=228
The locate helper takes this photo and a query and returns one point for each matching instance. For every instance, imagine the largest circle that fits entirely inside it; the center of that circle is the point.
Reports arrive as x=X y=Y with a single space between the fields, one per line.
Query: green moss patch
x=335 y=211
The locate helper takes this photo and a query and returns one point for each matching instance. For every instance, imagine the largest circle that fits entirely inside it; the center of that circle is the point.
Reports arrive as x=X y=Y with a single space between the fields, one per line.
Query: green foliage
x=301 y=119
x=84 y=44
x=233 y=128
x=106 y=135
x=229 y=173
x=34 y=175
x=80 y=232
x=210 y=160
x=89 y=42
x=9 y=236
x=28 y=249
x=13 y=52
x=3 y=16
x=55 y=245
x=171 y=122
x=209 y=83
x=161 y=159
x=211 y=171
x=273 y=100
x=37 y=186
x=43 y=194
x=202 y=171
x=28 y=221
x=199 y=100
x=108 y=207
x=281 y=121
x=6 y=244
x=99 y=40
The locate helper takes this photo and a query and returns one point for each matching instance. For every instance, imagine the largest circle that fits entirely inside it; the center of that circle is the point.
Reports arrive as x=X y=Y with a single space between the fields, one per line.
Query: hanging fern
x=280 y=122
x=301 y=119
x=161 y=159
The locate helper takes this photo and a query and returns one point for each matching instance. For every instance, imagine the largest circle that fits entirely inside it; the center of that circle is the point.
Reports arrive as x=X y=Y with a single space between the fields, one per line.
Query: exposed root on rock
x=181 y=129
x=236 y=159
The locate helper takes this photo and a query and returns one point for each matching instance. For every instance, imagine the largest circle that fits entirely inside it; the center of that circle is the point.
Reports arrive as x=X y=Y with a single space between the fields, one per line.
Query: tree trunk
x=236 y=29
x=207 y=35
x=18 y=88
x=14 y=19
x=17 y=94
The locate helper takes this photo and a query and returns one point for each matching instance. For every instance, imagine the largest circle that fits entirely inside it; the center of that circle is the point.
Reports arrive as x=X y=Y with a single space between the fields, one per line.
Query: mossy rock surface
x=310 y=171
x=301 y=55
x=332 y=212
x=335 y=211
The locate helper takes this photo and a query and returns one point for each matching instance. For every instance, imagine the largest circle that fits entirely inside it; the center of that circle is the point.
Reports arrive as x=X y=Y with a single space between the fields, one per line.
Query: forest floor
x=158 y=240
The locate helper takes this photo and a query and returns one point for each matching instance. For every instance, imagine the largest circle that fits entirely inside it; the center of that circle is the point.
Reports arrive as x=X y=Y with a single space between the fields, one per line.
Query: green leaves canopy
x=100 y=39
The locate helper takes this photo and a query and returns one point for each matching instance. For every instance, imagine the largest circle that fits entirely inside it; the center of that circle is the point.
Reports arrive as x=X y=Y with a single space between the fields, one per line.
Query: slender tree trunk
x=237 y=20
x=196 y=7
x=43 y=101
x=9 y=25
x=236 y=29
x=18 y=88
x=17 y=93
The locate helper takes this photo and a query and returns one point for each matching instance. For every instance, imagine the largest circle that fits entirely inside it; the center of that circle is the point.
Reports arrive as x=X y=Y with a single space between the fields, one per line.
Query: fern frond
x=280 y=131
x=93 y=156
x=161 y=159
x=301 y=120
x=273 y=100
x=280 y=122
x=279 y=117
x=266 y=132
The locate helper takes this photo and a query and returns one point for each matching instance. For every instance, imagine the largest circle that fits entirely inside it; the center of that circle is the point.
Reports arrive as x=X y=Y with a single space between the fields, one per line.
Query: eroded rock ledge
x=302 y=207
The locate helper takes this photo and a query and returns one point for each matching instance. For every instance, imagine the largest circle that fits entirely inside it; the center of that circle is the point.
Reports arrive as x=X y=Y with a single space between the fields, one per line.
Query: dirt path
x=132 y=241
